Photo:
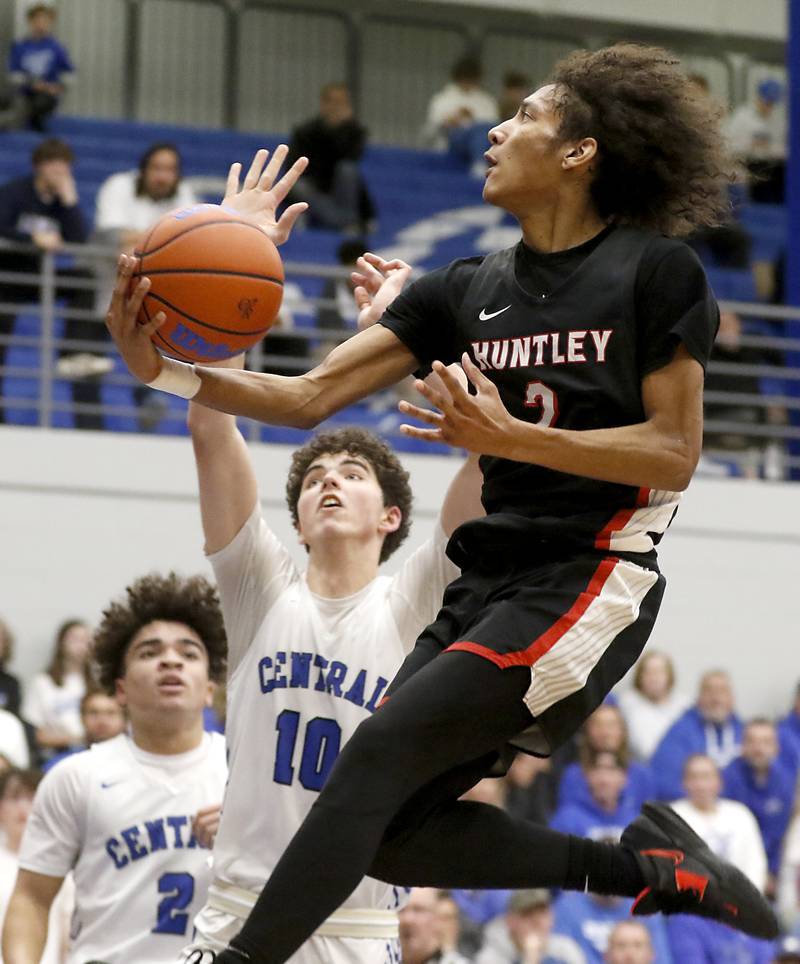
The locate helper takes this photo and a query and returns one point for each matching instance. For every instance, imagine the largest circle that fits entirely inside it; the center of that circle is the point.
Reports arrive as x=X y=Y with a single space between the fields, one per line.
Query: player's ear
x=391 y=520
x=210 y=690
x=119 y=692
x=580 y=154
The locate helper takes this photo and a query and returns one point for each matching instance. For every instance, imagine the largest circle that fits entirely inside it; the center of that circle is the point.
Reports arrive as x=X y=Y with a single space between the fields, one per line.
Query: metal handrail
x=760 y=434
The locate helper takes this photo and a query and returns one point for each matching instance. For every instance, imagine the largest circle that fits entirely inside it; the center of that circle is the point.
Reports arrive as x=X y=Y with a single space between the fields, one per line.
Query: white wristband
x=177 y=378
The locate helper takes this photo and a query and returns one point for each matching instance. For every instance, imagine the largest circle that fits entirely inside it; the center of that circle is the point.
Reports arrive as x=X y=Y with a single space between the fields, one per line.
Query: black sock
x=603 y=868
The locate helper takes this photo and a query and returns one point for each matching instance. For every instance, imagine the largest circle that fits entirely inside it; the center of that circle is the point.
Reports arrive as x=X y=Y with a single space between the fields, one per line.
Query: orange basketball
x=218 y=279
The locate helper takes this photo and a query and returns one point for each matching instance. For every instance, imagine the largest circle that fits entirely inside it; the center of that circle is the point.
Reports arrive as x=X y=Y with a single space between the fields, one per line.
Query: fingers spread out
x=256 y=167
x=423 y=414
x=232 y=184
x=271 y=170
x=362 y=297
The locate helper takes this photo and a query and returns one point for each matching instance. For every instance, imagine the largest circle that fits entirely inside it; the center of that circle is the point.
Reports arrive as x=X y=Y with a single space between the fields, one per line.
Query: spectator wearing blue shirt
x=759 y=780
x=590 y=919
x=39 y=67
x=711 y=728
x=606 y=729
x=695 y=940
x=606 y=814
x=789 y=736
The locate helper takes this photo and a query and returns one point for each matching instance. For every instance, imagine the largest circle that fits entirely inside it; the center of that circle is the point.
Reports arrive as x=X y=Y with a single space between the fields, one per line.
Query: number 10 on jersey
x=320 y=742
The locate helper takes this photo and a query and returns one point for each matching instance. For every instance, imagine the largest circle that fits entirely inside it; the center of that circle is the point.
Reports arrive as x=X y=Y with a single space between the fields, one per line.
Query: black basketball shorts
x=578 y=624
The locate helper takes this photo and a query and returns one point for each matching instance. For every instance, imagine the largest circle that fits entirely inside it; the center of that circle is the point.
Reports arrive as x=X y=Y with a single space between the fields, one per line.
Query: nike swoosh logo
x=107 y=786
x=485 y=316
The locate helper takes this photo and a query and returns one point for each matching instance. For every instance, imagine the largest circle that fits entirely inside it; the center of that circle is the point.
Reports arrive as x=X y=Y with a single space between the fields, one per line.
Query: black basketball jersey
x=572 y=357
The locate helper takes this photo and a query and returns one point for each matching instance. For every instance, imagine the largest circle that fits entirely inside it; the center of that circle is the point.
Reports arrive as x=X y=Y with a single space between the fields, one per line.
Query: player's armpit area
x=371 y=360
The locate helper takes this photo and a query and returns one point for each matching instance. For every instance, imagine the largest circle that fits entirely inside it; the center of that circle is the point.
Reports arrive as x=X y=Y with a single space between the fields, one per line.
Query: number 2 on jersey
x=321 y=743
x=538 y=395
x=179 y=889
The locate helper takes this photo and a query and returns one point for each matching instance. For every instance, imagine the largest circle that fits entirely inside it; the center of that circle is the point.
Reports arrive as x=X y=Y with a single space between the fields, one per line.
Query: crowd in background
x=734 y=781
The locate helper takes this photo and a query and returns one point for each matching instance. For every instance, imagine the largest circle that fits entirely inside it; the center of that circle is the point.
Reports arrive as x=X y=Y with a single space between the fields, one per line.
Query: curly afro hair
x=391 y=476
x=662 y=160
x=192 y=601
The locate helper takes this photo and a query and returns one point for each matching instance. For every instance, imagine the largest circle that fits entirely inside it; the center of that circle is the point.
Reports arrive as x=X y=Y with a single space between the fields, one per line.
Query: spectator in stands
x=757 y=134
x=460 y=115
x=53 y=698
x=727 y=826
x=102 y=718
x=524 y=934
x=448 y=918
x=531 y=784
x=788 y=891
x=421 y=938
x=17 y=788
x=606 y=814
x=759 y=780
x=652 y=704
x=13 y=742
x=332 y=184
x=694 y=940
x=339 y=313
x=710 y=726
x=42 y=209
x=130 y=202
x=605 y=730
x=630 y=943
x=10 y=694
x=789 y=735
x=590 y=920
x=39 y=67
x=516 y=87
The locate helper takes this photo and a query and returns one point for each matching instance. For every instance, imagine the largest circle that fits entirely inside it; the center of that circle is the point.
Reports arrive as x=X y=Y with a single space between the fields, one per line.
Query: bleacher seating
x=409 y=187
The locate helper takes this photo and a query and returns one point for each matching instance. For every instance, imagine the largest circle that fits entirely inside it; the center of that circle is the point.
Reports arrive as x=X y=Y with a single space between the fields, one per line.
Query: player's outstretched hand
x=206 y=824
x=132 y=339
x=377 y=284
x=261 y=194
x=479 y=423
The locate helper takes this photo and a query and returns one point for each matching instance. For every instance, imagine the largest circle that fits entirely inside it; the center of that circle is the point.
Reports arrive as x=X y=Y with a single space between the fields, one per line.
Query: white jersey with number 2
x=121 y=819
x=304 y=671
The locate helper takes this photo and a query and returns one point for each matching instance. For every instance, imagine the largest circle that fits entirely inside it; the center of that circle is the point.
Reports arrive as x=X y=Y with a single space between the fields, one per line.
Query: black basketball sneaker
x=683 y=876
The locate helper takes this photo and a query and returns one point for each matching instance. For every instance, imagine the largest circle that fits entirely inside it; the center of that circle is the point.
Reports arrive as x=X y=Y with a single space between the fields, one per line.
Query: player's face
x=341 y=499
x=166 y=672
x=525 y=156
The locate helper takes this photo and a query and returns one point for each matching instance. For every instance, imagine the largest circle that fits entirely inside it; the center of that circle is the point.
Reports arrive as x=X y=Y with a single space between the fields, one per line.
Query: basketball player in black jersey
x=585 y=345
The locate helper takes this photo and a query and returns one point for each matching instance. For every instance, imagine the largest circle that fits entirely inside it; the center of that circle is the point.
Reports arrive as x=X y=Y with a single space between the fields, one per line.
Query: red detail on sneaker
x=732 y=909
x=676 y=856
x=639 y=899
x=686 y=880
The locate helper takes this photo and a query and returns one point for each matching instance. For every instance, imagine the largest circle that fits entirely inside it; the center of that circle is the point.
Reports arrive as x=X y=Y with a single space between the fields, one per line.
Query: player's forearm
x=371 y=360
x=208 y=425
x=24 y=930
x=641 y=455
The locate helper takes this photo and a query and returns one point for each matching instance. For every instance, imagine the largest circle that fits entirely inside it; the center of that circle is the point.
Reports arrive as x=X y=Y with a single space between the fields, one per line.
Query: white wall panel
x=182 y=63
x=403 y=66
x=285 y=57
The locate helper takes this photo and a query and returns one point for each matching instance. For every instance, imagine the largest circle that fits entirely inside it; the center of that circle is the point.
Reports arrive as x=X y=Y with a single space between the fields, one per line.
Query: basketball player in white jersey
x=311 y=653
x=132 y=818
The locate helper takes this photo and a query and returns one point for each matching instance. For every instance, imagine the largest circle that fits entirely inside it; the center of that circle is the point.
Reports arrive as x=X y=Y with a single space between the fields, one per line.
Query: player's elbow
x=683 y=462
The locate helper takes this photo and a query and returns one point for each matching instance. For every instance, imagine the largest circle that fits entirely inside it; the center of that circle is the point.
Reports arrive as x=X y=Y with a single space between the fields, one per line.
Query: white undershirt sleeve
x=252 y=571
x=54 y=835
x=416 y=593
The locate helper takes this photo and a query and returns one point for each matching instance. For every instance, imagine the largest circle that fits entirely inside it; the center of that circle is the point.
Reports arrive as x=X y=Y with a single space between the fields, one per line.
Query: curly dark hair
x=192 y=601
x=391 y=476
x=662 y=163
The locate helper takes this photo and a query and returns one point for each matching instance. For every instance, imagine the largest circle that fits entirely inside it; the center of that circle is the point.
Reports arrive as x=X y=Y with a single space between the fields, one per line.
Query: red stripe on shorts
x=542 y=644
x=620 y=519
